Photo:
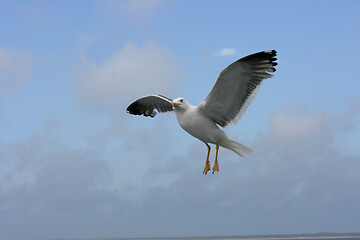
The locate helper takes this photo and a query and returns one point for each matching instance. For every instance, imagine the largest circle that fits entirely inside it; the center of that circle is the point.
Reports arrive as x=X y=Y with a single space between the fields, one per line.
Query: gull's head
x=179 y=103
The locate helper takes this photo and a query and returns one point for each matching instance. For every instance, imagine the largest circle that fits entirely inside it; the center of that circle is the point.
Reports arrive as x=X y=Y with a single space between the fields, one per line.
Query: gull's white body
x=205 y=129
x=198 y=125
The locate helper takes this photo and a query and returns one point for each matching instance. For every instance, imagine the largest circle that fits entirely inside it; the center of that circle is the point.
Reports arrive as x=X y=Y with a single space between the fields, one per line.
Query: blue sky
x=74 y=164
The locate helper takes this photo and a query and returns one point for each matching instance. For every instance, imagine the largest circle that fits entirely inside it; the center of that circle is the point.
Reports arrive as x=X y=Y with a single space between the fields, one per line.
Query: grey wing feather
x=236 y=87
x=146 y=105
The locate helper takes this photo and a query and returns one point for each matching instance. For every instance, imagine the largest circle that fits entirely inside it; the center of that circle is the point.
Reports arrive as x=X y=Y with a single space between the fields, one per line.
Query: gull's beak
x=175 y=104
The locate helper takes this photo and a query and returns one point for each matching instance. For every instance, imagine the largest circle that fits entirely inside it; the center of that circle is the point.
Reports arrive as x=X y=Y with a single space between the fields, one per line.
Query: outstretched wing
x=237 y=86
x=146 y=105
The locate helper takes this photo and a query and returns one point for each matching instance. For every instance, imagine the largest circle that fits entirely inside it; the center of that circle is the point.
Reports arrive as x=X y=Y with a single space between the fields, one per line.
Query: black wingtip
x=260 y=61
x=271 y=51
x=264 y=55
x=134 y=109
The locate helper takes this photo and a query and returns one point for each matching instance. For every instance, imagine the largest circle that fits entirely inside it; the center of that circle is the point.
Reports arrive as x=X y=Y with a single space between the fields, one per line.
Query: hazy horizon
x=254 y=237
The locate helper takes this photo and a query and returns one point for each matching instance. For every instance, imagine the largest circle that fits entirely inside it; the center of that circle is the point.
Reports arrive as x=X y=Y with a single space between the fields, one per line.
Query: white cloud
x=15 y=66
x=295 y=122
x=130 y=73
x=226 y=52
x=298 y=131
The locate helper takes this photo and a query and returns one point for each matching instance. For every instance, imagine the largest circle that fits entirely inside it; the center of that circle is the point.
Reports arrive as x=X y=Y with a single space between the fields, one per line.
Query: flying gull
x=232 y=93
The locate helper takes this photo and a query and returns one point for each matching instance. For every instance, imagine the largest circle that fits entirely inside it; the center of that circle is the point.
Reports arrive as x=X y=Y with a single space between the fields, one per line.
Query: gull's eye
x=181 y=100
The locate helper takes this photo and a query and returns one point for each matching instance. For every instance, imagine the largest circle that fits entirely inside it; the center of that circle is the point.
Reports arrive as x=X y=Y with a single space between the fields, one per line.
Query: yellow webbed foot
x=215 y=167
x=207 y=167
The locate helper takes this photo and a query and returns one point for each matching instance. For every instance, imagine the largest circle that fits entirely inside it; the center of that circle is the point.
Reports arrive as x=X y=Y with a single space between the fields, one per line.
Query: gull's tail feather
x=236 y=147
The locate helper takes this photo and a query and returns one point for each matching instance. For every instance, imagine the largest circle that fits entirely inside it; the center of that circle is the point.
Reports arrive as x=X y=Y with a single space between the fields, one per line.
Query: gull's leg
x=207 y=164
x=216 y=164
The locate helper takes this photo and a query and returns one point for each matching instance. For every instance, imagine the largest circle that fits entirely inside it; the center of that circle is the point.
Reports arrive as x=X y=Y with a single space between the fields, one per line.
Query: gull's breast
x=199 y=126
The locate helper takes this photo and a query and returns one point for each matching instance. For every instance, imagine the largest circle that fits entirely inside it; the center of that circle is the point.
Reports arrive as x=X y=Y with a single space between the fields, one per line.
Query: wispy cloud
x=297 y=131
x=130 y=72
x=350 y=117
x=226 y=52
x=15 y=66
x=138 y=11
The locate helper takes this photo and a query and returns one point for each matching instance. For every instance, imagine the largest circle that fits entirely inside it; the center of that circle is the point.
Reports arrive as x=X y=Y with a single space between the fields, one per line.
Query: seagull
x=231 y=95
